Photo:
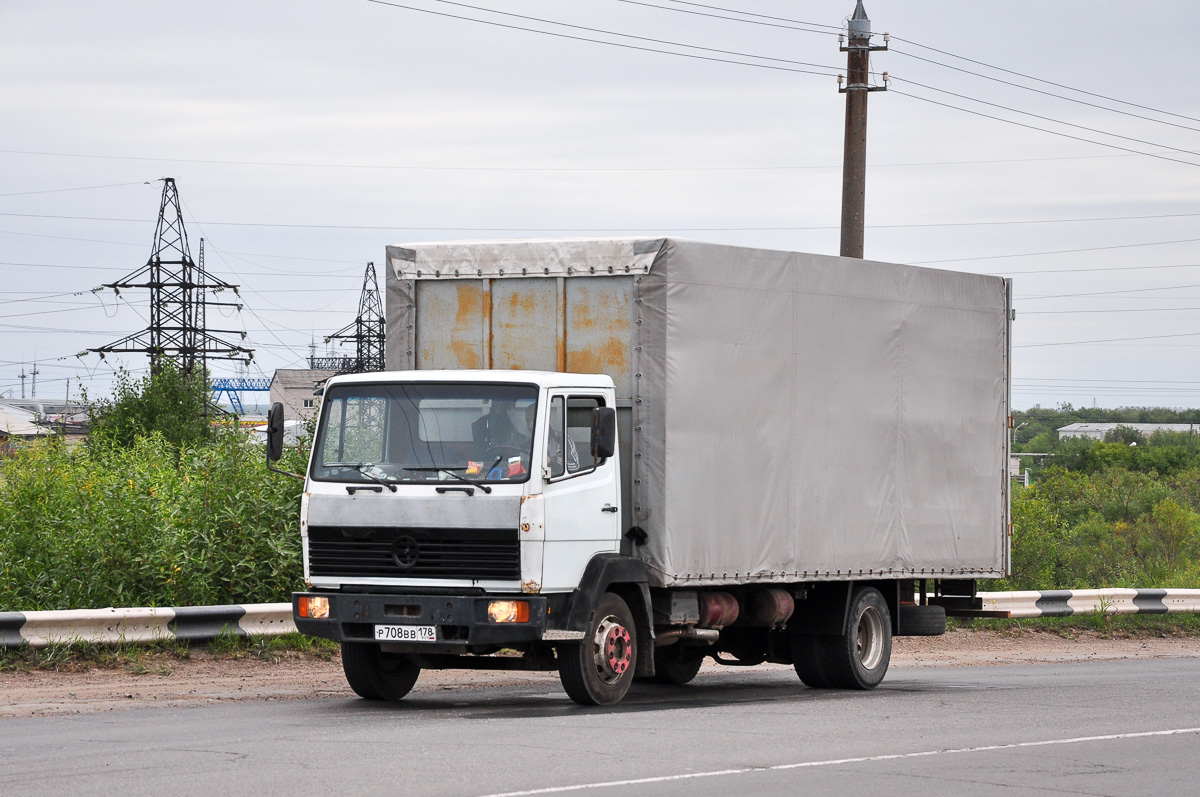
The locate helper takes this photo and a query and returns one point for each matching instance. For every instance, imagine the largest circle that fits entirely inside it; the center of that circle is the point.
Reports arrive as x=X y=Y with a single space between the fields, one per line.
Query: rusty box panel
x=525 y=324
x=451 y=324
x=599 y=321
x=572 y=324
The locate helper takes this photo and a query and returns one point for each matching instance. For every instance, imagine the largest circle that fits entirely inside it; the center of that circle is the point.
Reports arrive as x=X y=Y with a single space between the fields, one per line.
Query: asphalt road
x=1097 y=728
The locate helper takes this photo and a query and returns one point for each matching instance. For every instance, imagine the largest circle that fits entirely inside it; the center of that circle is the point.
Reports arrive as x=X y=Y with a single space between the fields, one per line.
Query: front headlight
x=508 y=611
x=313 y=607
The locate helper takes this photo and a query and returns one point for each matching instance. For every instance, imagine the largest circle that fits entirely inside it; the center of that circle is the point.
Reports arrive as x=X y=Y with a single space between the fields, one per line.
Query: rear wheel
x=808 y=657
x=375 y=675
x=858 y=658
x=598 y=671
x=676 y=664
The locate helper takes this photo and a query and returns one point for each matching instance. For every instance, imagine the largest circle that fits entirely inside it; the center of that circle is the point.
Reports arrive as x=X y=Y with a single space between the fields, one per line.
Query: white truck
x=614 y=458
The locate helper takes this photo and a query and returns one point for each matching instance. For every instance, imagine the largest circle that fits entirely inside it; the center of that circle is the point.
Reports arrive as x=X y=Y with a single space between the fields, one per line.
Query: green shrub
x=167 y=401
x=146 y=524
x=1108 y=528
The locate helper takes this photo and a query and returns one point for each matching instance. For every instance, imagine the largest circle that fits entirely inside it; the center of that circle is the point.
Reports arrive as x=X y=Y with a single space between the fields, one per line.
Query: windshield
x=425 y=432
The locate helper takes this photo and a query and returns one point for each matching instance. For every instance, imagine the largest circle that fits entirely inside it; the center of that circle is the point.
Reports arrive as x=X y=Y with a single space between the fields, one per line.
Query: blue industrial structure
x=234 y=387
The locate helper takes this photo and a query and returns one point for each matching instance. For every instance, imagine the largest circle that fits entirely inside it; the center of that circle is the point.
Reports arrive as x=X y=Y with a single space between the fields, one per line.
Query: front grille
x=414 y=552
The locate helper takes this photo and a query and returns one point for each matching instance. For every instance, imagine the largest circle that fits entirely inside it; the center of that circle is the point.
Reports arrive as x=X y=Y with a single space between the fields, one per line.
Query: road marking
x=839 y=761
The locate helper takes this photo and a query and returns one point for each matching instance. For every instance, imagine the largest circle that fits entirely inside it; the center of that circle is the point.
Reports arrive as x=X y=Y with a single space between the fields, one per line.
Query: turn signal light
x=315 y=608
x=508 y=611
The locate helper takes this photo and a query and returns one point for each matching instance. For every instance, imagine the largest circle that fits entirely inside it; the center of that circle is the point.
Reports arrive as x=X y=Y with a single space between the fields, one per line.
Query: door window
x=580 y=412
x=569 y=435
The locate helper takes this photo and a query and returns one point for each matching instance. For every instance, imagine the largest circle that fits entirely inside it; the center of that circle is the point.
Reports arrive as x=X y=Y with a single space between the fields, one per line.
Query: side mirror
x=275 y=432
x=604 y=433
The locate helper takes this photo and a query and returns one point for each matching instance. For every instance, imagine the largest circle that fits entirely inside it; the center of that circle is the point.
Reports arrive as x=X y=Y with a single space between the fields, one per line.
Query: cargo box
x=783 y=416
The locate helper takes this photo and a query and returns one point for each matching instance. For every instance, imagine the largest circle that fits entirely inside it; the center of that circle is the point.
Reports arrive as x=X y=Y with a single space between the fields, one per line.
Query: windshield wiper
x=449 y=471
x=361 y=467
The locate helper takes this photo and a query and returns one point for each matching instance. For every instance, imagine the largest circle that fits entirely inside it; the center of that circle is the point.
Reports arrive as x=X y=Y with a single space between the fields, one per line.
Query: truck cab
x=451 y=514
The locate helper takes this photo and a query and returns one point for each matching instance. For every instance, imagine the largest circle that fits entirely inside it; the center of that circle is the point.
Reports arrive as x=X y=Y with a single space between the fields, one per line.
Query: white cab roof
x=540 y=378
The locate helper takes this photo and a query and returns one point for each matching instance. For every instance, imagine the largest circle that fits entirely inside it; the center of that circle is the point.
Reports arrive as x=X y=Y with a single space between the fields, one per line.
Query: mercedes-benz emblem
x=405 y=552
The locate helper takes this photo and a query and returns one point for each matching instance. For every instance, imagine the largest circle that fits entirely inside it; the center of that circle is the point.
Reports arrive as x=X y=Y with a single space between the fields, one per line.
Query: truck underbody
x=609 y=632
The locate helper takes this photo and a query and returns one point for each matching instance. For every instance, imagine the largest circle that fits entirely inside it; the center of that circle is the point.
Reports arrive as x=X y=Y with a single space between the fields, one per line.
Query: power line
x=66 y=238
x=632 y=36
x=1048 y=118
x=1127 y=298
x=1104 y=340
x=62 y=190
x=253 y=312
x=596 y=41
x=35 y=298
x=1040 y=129
x=1040 y=91
x=554 y=169
x=833 y=29
x=658 y=228
x=1055 y=252
x=51 y=312
x=1109 y=310
x=1121 y=381
x=21 y=328
x=272 y=273
x=1109 y=293
x=1047 y=82
x=1102 y=268
x=238 y=256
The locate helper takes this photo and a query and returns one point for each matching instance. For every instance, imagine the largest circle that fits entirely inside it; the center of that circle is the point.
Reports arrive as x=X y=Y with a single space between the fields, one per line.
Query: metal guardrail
x=140 y=625
x=1068 y=602
x=202 y=623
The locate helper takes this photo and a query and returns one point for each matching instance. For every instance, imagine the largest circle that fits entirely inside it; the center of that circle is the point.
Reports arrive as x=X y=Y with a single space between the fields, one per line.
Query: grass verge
x=156 y=658
x=1105 y=626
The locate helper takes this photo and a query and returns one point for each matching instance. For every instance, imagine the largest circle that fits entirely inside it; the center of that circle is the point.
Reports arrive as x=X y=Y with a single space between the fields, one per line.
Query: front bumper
x=461 y=620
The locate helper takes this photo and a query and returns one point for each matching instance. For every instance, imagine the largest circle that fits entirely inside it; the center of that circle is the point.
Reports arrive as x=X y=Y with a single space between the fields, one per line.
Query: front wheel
x=858 y=658
x=598 y=671
x=375 y=675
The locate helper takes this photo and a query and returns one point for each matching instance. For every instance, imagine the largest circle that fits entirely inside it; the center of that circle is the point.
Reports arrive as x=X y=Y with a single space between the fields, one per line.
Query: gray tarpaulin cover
x=801 y=416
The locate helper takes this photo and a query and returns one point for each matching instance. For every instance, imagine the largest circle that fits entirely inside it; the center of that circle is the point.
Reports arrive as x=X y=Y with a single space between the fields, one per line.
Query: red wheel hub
x=617 y=649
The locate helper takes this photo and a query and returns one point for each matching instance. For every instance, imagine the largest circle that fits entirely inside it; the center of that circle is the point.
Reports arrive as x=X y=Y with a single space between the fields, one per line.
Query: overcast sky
x=305 y=136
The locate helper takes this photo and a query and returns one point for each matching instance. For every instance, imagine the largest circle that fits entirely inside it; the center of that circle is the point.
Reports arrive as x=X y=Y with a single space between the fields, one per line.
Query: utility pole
x=23 y=378
x=854 y=160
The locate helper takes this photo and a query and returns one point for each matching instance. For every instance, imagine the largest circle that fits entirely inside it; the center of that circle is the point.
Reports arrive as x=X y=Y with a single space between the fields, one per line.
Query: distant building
x=29 y=418
x=1097 y=431
x=293 y=387
x=17 y=424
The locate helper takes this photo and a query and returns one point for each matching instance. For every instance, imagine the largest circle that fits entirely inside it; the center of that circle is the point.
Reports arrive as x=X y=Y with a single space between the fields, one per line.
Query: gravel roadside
x=203 y=678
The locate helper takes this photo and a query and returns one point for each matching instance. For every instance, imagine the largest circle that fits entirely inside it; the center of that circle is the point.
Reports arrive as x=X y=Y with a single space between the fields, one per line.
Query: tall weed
x=1110 y=528
x=147 y=524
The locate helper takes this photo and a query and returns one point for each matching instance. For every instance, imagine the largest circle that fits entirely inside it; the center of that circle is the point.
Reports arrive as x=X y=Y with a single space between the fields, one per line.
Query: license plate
x=406 y=633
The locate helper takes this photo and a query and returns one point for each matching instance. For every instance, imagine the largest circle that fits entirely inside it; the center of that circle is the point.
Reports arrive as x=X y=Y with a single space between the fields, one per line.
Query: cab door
x=581 y=494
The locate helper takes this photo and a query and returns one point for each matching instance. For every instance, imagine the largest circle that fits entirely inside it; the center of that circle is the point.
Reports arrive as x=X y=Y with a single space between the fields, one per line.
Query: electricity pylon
x=179 y=291
x=367 y=331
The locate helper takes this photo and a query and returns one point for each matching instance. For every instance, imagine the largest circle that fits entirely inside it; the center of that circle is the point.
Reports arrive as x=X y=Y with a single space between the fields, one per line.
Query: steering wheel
x=498 y=450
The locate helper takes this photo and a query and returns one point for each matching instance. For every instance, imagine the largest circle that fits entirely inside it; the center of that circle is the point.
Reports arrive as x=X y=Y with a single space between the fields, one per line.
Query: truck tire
x=808 y=657
x=598 y=671
x=375 y=675
x=676 y=664
x=858 y=658
x=922 y=620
